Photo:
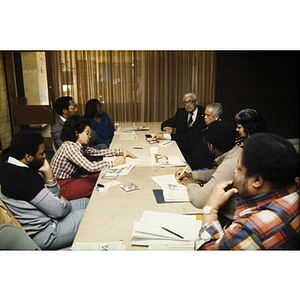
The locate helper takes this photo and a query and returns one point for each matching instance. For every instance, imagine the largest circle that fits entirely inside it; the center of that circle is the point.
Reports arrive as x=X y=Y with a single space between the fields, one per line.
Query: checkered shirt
x=267 y=221
x=70 y=156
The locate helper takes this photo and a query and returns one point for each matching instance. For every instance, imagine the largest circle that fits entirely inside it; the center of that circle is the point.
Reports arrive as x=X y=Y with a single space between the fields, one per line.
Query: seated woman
x=248 y=121
x=71 y=156
x=101 y=123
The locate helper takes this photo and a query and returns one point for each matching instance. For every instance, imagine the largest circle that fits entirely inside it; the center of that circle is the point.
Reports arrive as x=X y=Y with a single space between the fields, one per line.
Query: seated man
x=197 y=154
x=220 y=139
x=188 y=118
x=267 y=216
x=34 y=200
x=65 y=107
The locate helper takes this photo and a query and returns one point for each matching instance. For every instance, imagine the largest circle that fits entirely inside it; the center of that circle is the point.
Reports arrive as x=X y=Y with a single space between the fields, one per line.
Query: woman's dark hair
x=61 y=104
x=73 y=125
x=271 y=156
x=25 y=142
x=91 y=108
x=221 y=135
x=251 y=121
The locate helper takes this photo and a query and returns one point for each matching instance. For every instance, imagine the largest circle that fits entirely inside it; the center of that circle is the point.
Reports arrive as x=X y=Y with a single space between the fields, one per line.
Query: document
x=133 y=128
x=172 y=190
x=157 y=228
x=172 y=161
x=119 y=171
x=111 y=246
x=129 y=161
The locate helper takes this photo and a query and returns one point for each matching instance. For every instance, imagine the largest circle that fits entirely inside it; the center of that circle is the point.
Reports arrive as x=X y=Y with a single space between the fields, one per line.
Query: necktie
x=190 y=120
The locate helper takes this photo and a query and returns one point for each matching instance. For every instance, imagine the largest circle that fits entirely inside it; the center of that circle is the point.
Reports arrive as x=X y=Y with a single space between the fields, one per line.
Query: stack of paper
x=166 y=229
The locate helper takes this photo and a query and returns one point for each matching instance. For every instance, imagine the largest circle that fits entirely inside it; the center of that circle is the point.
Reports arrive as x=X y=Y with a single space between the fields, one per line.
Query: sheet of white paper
x=172 y=190
x=129 y=137
x=111 y=246
x=173 y=161
x=129 y=162
x=152 y=222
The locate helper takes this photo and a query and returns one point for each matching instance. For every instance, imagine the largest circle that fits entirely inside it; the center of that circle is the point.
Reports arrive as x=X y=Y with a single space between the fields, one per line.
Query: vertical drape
x=134 y=85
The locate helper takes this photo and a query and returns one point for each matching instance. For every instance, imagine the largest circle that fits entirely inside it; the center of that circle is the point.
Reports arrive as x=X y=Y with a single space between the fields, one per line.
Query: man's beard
x=35 y=164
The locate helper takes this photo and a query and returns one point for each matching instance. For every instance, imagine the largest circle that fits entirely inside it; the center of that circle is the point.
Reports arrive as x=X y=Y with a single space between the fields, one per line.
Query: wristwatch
x=207 y=210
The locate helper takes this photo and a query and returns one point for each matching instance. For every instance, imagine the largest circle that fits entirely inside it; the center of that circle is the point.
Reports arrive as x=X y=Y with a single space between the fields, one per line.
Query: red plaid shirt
x=70 y=156
x=267 y=221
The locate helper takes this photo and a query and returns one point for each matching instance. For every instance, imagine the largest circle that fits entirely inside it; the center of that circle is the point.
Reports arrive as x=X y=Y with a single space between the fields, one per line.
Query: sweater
x=226 y=164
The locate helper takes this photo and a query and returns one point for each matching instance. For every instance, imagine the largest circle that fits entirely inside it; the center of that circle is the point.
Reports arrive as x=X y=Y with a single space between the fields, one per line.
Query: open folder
x=158 y=228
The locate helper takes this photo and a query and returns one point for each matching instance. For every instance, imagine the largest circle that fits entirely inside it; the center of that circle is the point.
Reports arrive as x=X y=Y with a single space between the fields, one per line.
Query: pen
x=166 y=229
x=137 y=147
x=182 y=172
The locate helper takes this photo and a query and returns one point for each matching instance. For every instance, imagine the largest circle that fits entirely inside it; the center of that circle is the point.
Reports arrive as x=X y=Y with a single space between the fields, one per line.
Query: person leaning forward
x=220 y=139
x=192 y=144
x=267 y=215
x=32 y=194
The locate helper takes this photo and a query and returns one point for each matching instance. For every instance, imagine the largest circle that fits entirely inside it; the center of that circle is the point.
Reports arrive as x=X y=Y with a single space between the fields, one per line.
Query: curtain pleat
x=134 y=86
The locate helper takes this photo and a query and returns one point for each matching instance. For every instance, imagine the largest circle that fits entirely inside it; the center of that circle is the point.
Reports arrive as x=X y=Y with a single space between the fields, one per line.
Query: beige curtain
x=134 y=86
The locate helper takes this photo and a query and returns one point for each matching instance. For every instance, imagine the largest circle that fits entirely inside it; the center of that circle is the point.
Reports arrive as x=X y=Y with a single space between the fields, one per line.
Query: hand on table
x=126 y=153
x=158 y=136
x=120 y=160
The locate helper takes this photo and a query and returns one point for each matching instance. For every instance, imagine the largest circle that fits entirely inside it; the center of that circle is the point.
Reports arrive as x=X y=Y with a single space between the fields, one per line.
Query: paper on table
x=128 y=137
x=149 y=231
x=99 y=246
x=173 y=161
x=172 y=190
x=129 y=162
x=152 y=223
x=124 y=132
x=124 y=170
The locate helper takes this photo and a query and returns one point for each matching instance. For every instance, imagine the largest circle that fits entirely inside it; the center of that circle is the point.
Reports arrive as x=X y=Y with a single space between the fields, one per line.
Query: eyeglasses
x=188 y=102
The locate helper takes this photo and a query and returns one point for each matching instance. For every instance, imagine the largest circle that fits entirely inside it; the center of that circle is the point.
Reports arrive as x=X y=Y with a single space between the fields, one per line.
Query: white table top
x=110 y=215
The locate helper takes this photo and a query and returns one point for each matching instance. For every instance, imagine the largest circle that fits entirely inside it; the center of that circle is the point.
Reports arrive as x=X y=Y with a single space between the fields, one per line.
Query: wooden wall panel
x=267 y=81
x=5 y=126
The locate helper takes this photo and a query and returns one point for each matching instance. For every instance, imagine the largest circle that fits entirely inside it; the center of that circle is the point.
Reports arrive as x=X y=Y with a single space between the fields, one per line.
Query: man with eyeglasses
x=195 y=151
x=186 y=118
x=65 y=107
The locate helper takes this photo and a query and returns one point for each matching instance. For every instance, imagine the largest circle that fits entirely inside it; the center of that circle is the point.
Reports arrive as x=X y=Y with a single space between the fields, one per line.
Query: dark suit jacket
x=197 y=155
x=179 y=121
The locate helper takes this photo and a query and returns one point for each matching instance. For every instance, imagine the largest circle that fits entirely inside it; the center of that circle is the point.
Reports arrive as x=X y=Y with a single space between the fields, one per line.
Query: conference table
x=110 y=215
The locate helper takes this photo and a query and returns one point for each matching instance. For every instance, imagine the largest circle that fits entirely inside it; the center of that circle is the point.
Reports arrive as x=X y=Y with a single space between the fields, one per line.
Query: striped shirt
x=70 y=156
x=266 y=221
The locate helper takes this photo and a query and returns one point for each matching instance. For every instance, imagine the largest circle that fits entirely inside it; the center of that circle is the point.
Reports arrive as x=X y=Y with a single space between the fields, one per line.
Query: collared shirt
x=70 y=156
x=16 y=162
x=266 y=221
x=194 y=116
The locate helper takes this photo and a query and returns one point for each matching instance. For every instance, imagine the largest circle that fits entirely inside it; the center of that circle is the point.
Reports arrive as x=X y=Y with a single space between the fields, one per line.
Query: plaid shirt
x=267 y=221
x=70 y=156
